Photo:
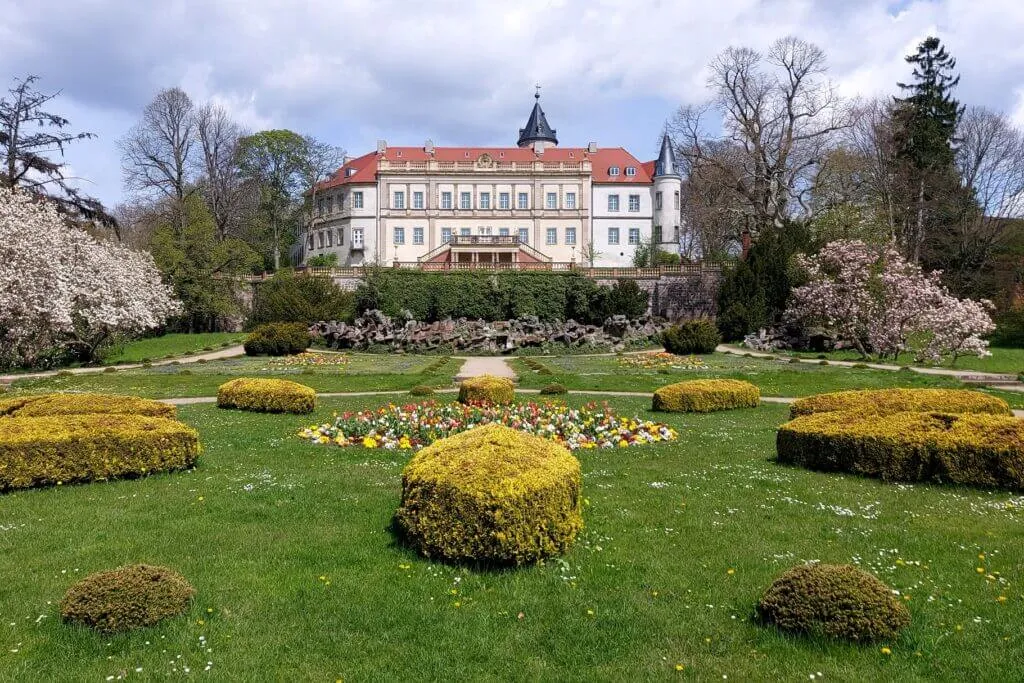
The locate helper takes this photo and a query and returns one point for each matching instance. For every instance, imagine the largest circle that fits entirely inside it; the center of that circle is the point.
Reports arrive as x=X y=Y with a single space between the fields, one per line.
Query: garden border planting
x=886 y=401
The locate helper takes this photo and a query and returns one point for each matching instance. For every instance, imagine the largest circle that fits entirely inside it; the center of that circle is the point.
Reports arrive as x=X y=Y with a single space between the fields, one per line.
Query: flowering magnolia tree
x=875 y=299
x=64 y=292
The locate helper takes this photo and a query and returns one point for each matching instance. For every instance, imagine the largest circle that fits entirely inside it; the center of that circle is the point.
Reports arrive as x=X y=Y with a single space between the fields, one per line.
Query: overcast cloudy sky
x=462 y=71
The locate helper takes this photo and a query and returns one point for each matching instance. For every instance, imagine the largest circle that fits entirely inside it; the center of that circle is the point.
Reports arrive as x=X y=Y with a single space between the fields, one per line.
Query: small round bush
x=207 y=348
x=277 y=339
x=266 y=395
x=822 y=362
x=110 y=368
x=421 y=390
x=794 y=360
x=705 y=396
x=835 y=601
x=554 y=389
x=491 y=495
x=126 y=598
x=860 y=366
x=487 y=389
x=692 y=336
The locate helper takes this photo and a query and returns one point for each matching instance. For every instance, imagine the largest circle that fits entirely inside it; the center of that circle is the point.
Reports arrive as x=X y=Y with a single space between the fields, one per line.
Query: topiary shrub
x=885 y=401
x=834 y=601
x=491 y=495
x=487 y=389
x=266 y=395
x=63 y=449
x=554 y=389
x=83 y=404
x=277 y=339
x=970 y=449
x=421 y=390
x=291 y=298
x=693 y=336
x=706 y=395
x=126 y=598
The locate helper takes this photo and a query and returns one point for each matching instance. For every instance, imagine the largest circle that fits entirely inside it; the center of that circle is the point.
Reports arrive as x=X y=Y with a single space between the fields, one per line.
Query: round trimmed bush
x=692 y=336
x=277 y=339
x=835 y=601
x=266 y=395
x=554 y=389
x=126 y=598
x=491 y=495
x=421 y=390
x=487 y=389
x=887 y=401
x=706 y=395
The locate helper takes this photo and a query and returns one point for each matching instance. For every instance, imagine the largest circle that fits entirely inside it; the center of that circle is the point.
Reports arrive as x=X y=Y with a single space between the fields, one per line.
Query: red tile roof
x=364 y=169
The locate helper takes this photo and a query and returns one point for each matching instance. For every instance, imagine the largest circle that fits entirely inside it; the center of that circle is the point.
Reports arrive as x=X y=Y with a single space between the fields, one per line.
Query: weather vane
x=536 y=95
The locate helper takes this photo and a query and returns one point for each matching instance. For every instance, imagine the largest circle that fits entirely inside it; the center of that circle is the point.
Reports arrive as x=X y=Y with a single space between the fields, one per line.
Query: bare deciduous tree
x=232 y=202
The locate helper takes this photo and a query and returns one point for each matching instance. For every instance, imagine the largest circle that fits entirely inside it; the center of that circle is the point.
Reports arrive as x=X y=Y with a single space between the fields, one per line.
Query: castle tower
x=537 y=133
x=667 y=187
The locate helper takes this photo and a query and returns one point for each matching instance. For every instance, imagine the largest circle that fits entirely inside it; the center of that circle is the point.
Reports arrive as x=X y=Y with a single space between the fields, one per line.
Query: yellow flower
x=980 y=570
x=679 y=667
x=886 y=651
x=369 y=442
x=731 y=572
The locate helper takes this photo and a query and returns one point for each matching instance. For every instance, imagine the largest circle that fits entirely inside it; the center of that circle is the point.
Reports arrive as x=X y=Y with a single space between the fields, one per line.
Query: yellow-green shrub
x=491 y=495
x=83 y=404
x=902 y=400
x=266 y=395
x=706 y=395
x=486 y=389
x=61 y=449
x=835 y=601
x=970 y=448
x=127 y=597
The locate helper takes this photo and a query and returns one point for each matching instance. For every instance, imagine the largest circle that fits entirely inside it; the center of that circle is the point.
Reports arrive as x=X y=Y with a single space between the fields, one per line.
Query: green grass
x=1002 y=360
x=774 y=378
x=646 y=587
x=155 y=348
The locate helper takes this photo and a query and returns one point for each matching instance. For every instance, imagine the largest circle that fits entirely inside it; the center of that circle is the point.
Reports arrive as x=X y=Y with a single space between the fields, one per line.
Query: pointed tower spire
x=537 y=128
x=666 y=163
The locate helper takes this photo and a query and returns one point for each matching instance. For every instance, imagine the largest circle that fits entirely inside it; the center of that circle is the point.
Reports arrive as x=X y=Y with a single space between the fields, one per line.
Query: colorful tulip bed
x=416 y=425
x=653 y=361
x=312 y=359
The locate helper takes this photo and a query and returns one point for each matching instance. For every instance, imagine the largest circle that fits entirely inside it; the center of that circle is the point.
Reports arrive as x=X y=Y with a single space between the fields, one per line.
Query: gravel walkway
x=474 y=366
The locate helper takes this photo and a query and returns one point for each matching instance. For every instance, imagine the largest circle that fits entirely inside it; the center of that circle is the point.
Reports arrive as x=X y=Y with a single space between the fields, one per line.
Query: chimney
x=346 y=160
x=382 y=146
x=592 y=148
x=428 y=147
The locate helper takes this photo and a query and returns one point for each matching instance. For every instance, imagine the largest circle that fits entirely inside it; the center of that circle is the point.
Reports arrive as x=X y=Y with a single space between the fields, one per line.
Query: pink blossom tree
x=61 y=290
x=880 y=303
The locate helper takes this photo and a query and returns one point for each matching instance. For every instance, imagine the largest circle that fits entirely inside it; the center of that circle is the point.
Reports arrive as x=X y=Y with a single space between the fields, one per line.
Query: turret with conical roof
x=537 y=128
x=666 y=163
x=668 y=184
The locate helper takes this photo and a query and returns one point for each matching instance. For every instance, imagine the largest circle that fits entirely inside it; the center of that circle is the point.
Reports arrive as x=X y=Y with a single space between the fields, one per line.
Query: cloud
x=462 y=71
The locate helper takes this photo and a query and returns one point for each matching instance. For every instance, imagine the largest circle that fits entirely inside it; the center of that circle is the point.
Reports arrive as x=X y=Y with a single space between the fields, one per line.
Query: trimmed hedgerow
x=491 y=495
x=126 y=598
x=970 y=448
x=63 y=449
x=885 y=401
x=266 y=395
x=486 y=389
x=835 y=601
x=277 y=339
x=421 y=390
x=553 y=389
x=83 y=404
x=706 y=395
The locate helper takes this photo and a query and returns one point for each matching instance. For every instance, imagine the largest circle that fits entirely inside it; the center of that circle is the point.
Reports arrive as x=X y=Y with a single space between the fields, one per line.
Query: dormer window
x=398 y=153
x=631 y=170
x=613 y=171
x=349 y=172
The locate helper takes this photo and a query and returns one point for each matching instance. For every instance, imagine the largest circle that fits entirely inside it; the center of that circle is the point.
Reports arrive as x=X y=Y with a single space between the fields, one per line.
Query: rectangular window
x=484 y=230
x=417 y=235
x=341 y=237
x=485 y=200
x=320 y=207
x=634 y=202
x=330 y=205
x=341 y=201
x=552 y=200
x=504 y=200
x=613 y=202
x=570 y=235
x=311 y=246
x=446 y=235
x=677 y=200
x=357 y=238
x=657 y=201
x=552 y=236
x=465 y=232
x=503 y=232
x=417 y=200
x=320 y=240
x=656 y=234
x=357 y=200
x=399 y=235
x=330 y=238
x=613 y=235
x=465 y=200
x=399 y=202
x=634 y=235
x=570 y=200
x=524 y=200
x=446 y=200
x=524 y=235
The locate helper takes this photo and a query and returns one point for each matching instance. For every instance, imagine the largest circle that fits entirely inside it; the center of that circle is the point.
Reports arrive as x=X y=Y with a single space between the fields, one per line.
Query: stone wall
x=680 y=296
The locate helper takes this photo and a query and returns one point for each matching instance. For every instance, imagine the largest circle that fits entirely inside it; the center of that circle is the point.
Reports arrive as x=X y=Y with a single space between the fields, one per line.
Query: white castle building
x=535 y=203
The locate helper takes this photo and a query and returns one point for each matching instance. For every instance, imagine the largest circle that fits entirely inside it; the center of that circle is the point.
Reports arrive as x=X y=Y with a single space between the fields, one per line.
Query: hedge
x=83 y=404
x=288 y=297
x=835 y=601
x=886 y=401
x=125 y=598
x=487 y=389
x=266 y=395
x=62 y=449
x=491 y=495
x=970 y=449
x=706 y=395
x=277 y=339
x=692 y=336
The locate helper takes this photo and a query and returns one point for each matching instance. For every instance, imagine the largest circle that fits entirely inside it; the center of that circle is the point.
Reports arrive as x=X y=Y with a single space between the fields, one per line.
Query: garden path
x=474 y=366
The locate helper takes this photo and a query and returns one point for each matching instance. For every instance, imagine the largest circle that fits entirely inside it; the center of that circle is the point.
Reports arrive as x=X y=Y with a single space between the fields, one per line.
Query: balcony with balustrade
x=483 y=249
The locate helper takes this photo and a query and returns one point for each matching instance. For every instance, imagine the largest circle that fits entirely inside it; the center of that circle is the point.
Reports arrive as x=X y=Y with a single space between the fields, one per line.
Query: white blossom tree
x=63 y=292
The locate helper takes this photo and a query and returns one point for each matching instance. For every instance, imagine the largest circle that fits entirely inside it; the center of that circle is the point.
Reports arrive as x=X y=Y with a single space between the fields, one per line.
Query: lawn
x=1002 y=360
x=298 y=576
x=155 y=348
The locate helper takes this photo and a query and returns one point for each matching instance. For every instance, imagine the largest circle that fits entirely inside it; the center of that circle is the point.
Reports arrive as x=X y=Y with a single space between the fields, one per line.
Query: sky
x=462 y=72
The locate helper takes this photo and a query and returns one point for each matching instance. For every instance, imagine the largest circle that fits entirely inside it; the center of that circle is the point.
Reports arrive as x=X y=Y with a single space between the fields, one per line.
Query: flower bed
x=312 y=359
x=416 y=425
x=663 y=359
